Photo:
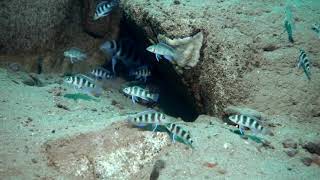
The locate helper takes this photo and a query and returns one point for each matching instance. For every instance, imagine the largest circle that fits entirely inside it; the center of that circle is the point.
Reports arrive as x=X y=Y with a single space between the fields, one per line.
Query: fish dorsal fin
x=161 y=43
x=103 y=69
x=148 y=111
x=143 y=67
x=86 y=77
x=76 y=49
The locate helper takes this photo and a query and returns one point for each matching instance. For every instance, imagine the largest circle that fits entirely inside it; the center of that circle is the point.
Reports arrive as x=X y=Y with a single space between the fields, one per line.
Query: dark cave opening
x=175 y=99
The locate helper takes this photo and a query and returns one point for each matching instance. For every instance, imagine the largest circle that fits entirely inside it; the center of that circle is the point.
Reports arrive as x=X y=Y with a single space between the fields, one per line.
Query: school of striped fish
x=124 y=51
x=303 y=61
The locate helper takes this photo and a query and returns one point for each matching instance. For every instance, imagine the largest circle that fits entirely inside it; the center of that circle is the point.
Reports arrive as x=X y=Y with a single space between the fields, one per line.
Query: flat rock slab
x=118 y=151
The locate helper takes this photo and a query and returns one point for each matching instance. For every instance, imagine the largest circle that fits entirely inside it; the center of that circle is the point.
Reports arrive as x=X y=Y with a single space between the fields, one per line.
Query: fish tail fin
x=308 y=73
x=267 y=131
x=290 y=38
x=132 y=72
x=155 y=97
x=96 y=91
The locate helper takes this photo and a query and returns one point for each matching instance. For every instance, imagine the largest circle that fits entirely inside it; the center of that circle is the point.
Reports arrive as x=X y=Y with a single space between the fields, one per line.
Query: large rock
x=244 y=52
x=227 y=51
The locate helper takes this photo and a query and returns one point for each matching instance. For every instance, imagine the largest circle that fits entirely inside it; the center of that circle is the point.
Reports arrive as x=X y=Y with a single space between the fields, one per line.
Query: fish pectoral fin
x=141 y=125
x=133 y=98
x=155 y=127
x=241 y=129
x=114 y=62
x=169 y=58
x=158 y=57
x=173 y=138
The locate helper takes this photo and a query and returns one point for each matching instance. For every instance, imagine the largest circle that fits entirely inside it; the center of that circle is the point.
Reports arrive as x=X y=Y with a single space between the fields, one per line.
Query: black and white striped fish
x=304 y=62
x=138 y=92
x=178 y=132
x=123 y=50
x=75 y=54
x=142 y=72
x=249 y=122
x=101 y=73
x=84 y=84
x=148 y=117
x=316 y=28
x=104 y=8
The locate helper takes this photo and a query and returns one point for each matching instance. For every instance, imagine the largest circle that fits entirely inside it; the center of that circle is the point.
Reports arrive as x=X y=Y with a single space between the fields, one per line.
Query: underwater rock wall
x=30 y=25
x=34 y=34
x=227 y=52
x=49 y=24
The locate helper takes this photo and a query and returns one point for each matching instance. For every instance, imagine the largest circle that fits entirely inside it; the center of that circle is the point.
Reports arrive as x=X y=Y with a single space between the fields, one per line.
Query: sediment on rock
x=217 y=79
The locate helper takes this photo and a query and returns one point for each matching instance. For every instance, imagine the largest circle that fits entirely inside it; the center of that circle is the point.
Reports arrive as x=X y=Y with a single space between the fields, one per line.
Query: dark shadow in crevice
x=175 y=99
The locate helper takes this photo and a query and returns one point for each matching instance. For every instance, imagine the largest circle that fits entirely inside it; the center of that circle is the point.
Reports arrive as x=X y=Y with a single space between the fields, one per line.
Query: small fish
x=249 y=122
x=178 y=131
x=101 y=73
x=138 y=92
x=122 y=50
x=84 y=84
x=289 y=23
x=142 y=72
x=147 y=117
x=163 y=50
x=75 y=55
x=104 y=8
x=316 y=28
x=304 y=62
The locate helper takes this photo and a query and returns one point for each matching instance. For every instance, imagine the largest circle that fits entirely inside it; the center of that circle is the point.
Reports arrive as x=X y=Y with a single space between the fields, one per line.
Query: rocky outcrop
x=227 y=52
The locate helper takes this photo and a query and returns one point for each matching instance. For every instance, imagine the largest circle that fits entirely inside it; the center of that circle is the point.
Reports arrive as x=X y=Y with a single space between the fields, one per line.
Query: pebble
x=312 y=147
x=94 y=110
x=34 y=160
x=306 y=161
x=289 y=143
x=291 y=152
x=176 y=2
x=62 y=106
x=15 y=67
x=316 y=159
x=227 y=145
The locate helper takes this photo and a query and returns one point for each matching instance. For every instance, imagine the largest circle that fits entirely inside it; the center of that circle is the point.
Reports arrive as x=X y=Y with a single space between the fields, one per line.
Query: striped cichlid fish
x=316 y=28
x=75 y=55
x=289 y=23
x=104 y=8
x=138 y=92
x=84 y=84
x=249 y=122
x=101 y=73
x=147 y=117
x=122 y=50
x=304 y=62
x=162 y=50
x=142 y=72
x=178 y=132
